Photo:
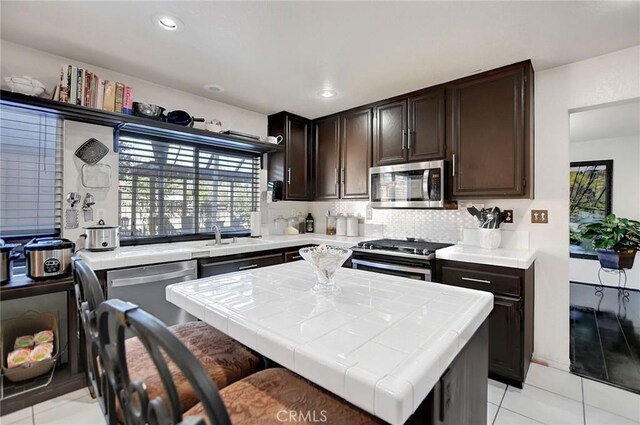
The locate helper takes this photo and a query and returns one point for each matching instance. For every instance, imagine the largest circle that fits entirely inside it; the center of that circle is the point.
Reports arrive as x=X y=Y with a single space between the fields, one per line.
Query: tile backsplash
x=434 y=225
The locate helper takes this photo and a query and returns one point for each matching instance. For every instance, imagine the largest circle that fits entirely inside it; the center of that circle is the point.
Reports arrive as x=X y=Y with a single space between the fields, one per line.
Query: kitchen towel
x=256 y=218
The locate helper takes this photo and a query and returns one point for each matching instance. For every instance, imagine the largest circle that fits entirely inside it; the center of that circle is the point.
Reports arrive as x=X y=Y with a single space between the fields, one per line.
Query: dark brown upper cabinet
x=355 y=159
x=426 y=135
x=490 y=134
x=390 y=133
x=411 y=129
x=327 y=148
x=293 y=166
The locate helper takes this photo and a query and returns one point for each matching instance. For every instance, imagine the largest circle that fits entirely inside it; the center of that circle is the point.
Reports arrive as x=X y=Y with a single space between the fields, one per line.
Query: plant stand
x=622 y=280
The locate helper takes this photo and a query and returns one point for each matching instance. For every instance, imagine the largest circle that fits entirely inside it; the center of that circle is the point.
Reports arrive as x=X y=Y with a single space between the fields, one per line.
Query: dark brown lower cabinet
x=460 y=395
x=510 y=322
x=214 y=266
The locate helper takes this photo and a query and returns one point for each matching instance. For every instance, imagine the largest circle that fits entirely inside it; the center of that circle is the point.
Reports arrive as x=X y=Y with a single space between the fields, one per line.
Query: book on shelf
x=119 y=97
x=63 y=86
x=82 y=87
x=127 y=103
x=109 y=102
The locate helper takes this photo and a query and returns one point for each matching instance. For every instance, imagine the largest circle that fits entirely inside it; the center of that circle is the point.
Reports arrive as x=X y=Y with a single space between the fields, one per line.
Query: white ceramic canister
x=490 y=238
x=352 y=225
x=341 y=225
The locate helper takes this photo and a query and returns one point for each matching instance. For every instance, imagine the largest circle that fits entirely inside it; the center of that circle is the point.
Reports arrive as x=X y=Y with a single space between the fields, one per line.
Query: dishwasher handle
x=160 y=277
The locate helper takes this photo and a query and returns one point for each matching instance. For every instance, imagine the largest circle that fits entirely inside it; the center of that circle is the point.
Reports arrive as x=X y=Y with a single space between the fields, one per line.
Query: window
x=170 y=190
x=30 y=174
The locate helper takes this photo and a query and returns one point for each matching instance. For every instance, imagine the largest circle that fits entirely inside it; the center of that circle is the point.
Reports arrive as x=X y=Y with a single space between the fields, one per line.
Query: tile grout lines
x=584 y=409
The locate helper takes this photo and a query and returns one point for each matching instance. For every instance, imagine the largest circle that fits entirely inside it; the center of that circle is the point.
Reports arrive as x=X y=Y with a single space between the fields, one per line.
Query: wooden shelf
x=147 y=126
x=22 y=286
x=67 y=377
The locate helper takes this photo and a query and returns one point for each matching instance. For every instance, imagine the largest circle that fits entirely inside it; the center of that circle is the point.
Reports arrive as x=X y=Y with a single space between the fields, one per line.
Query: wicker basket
x=29 y=323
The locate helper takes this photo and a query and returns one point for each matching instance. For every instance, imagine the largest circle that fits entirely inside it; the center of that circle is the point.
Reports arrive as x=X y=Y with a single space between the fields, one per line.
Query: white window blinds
x=30 y=173
x=176 y=189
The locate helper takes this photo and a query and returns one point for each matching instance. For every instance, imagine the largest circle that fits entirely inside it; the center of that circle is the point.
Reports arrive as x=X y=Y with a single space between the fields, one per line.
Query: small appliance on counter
x=48 y=257
x=101 y=237
x=7 y=257
x=274 y=191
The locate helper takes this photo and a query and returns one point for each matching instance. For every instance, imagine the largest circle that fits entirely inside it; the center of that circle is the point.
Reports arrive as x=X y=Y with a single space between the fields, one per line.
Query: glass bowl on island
x=325 y=261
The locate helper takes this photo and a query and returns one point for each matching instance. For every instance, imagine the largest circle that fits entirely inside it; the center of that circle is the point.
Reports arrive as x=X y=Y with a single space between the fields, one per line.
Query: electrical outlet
x=539 y=216
x=508 y=216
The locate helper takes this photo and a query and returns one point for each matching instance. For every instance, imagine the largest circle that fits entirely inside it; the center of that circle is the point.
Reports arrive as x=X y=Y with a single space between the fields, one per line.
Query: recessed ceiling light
x=327 y=93
x=167 y=22
x=214 y=88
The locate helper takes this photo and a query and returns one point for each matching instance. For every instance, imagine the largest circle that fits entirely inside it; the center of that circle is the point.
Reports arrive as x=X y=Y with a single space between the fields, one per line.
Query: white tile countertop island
x=381 y=344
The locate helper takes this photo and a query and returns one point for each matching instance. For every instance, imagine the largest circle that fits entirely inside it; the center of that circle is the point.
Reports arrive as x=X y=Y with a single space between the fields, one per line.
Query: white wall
x=45 y=67
x=625 y=153
x=21 y=60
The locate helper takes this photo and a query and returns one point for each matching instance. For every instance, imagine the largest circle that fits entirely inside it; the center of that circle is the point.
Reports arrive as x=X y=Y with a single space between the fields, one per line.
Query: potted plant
x=616 y=241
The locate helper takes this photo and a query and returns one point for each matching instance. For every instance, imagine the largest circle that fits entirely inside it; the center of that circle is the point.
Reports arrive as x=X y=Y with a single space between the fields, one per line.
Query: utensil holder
x=490 y=238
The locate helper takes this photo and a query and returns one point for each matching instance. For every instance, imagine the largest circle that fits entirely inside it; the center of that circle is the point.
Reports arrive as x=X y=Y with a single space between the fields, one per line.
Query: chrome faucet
x=216 y=231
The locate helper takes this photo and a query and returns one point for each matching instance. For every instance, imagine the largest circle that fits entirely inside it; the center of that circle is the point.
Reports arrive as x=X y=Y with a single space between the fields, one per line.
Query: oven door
x=408 y=271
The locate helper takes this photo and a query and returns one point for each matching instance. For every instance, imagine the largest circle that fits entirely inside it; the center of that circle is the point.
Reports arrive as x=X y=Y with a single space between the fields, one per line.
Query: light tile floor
x=550 y=396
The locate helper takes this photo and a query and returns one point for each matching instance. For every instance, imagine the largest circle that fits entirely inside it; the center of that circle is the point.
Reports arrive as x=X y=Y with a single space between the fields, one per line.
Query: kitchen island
x=405 y=351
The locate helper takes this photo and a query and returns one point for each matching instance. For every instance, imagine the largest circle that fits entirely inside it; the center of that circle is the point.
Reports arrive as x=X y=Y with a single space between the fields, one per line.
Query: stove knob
x=425 y=252
x=416 y=251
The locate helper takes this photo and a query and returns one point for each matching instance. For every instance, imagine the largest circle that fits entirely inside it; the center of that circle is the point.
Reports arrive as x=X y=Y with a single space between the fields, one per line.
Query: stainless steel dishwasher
x=145 y=287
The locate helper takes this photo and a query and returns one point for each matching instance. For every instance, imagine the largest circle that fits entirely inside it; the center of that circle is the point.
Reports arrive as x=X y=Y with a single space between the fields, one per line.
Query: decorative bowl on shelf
x=25 y=85
x=325 y=261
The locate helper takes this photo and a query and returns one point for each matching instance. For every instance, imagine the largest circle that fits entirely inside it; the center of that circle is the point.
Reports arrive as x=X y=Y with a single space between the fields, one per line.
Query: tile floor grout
x=508 y=413
x=584 y=409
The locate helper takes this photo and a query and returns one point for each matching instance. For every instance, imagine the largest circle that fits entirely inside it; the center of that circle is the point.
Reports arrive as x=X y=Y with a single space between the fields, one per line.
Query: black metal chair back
x=115 y=318
x=89 y=296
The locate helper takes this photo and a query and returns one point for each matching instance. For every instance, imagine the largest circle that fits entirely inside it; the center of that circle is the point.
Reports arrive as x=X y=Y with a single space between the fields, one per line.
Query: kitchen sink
x=211 y=243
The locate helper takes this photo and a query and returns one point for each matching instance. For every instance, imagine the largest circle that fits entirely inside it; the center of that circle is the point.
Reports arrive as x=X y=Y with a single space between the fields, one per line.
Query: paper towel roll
x=256 y=218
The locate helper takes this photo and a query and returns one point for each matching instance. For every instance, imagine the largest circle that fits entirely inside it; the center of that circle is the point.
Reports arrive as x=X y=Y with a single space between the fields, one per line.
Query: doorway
x=604 y=302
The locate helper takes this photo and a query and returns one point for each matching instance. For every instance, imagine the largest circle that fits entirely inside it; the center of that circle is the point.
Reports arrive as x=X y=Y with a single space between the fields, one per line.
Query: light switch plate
x=509 y=216
x=539 y=216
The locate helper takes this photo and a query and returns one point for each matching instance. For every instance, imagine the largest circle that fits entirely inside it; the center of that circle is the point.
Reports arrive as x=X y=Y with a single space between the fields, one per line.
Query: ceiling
x=273 y=56
x=606 y=122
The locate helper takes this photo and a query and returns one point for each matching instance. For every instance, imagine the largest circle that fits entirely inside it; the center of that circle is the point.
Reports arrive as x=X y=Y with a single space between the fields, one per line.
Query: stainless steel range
x=412 y=258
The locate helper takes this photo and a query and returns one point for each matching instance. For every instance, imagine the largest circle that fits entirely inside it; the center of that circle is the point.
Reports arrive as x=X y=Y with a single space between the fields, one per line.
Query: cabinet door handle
x=296 y=257
x=342 y=175
x=336 y=176
x=404 y=136
x=470 y=279
x=453 y=163
x=250 y=266
x=289 y=176
x=409 y=139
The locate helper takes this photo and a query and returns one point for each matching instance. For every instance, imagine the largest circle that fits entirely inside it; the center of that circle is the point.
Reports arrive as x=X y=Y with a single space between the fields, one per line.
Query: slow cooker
x=101 y=237
x=48 y=257
x=7 y=256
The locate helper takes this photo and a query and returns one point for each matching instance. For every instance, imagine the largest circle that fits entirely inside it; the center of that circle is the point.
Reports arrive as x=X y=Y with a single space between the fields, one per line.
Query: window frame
x=147 y=240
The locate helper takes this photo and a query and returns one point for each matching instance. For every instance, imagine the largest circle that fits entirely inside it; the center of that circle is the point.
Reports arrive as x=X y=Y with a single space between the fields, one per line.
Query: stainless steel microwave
x=417 y=185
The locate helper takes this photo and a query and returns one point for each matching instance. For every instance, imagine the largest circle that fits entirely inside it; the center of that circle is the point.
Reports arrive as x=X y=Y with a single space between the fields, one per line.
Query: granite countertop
x=130 y=256
x=381 y=344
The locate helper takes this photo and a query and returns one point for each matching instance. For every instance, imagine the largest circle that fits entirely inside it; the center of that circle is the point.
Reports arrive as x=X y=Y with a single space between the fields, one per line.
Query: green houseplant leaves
x=614 y=233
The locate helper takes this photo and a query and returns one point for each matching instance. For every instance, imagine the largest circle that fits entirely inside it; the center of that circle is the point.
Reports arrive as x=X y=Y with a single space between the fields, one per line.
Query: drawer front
x=290 y=256
x=497 y=283
x=217 y=268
